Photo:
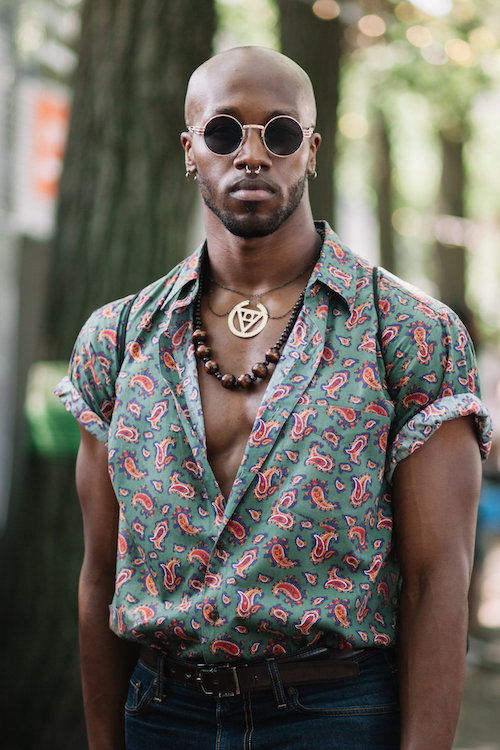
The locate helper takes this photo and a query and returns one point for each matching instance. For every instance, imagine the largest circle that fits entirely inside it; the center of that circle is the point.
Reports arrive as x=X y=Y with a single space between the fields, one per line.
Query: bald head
x=246 y=70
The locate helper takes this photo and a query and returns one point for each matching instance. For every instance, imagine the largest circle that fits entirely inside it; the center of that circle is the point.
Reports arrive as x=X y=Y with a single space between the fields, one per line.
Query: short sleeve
x=431 y=369
x=88 y=391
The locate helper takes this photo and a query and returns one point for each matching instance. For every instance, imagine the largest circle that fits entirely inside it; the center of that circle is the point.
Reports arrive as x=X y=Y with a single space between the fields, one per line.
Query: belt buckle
x=224 y=692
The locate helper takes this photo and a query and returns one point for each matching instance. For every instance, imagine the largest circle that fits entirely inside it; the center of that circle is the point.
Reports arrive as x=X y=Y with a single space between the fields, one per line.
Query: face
x=250 y=205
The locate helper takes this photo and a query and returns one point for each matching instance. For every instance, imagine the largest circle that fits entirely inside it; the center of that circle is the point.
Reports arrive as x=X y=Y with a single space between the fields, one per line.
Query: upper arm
x=99 y=506
x=436 y=491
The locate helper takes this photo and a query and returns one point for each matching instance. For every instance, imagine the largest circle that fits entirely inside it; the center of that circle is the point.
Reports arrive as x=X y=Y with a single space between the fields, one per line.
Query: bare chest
x=230 y=414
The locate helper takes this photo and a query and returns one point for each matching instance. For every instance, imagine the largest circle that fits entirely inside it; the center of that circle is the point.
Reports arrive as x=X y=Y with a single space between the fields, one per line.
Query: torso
x=229 y=414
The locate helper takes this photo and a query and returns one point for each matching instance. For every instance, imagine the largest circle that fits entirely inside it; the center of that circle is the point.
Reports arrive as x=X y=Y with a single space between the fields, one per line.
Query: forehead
x=252 y=90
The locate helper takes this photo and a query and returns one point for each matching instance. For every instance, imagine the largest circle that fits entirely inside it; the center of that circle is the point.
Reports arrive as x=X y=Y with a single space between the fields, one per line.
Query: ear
x=314 y=144
x=187 y=145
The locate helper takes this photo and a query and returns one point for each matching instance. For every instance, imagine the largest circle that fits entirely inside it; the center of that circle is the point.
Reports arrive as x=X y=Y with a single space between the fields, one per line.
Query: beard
x=250 y=224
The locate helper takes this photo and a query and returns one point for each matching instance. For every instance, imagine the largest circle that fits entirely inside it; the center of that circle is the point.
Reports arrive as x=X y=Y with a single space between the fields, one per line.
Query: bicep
x=436 y=491
x=98 y=503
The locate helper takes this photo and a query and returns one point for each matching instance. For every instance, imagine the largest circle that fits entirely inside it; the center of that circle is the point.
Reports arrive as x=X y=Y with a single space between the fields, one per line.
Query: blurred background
x=94 y=205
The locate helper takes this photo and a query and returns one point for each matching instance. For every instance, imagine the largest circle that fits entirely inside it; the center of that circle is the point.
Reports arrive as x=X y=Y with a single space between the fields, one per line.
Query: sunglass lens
x=283 y=136
x=223 y=135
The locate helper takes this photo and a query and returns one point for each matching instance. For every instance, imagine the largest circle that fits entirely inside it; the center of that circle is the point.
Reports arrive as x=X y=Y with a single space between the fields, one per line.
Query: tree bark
x=450 y=255
x=124 y=202
x=316 y=46
x=384 y=189
x=123 y=219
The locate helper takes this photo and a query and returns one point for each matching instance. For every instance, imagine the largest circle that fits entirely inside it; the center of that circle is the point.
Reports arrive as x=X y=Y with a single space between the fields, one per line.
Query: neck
x=253 y=263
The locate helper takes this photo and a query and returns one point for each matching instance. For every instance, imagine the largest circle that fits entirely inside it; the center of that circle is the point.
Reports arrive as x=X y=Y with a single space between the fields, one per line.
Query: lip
x=251 y=189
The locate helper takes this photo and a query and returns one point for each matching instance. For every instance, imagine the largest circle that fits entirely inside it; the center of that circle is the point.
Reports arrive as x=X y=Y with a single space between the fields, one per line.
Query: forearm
x=106 y=665
x=432 y=648
x=436 y=490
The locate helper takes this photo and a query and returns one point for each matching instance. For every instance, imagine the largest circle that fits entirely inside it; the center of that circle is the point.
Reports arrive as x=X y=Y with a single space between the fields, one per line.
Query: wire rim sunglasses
x=282 y=135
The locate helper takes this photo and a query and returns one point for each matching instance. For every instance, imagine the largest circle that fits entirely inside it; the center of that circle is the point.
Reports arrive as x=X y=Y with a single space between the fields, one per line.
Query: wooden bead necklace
x=259 y=370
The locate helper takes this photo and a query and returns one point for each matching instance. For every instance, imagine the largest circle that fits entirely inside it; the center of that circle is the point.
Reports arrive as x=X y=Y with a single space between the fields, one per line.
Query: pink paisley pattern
x=301 y=551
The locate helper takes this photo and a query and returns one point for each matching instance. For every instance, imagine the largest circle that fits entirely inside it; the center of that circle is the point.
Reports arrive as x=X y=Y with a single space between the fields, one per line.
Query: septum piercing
x=252 y=171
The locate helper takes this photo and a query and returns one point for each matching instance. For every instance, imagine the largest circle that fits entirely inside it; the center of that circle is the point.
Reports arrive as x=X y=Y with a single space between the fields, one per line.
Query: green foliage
x=242 y=22
x=424 y=75
x=448 y=59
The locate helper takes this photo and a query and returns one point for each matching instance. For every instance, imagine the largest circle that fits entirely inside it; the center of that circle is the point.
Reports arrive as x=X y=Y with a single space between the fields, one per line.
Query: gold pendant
x=245 y=322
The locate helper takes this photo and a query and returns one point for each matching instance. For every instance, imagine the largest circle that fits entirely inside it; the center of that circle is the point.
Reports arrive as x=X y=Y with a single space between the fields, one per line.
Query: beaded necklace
x=259 y=371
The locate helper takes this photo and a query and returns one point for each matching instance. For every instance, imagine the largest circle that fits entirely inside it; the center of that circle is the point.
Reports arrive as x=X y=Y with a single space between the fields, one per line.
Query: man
x=275 y=406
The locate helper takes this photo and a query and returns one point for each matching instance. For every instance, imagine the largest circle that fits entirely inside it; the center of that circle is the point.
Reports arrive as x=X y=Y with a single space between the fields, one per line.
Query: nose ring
x=252 y=171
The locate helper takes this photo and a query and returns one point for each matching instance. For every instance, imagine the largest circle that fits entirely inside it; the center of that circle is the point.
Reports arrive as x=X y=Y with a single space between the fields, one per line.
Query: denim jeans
x=358 y=713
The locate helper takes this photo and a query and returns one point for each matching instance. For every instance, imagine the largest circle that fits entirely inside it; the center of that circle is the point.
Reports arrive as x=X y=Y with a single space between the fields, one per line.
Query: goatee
x=250 y=225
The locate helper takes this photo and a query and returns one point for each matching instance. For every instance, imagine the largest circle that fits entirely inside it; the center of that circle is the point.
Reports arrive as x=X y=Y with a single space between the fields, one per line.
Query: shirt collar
x=336 y=266
x=189 y=277
x=335 y=269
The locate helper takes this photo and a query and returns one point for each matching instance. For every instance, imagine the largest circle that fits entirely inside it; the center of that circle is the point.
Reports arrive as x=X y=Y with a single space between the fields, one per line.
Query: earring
x=312 y=176
x=191 y=176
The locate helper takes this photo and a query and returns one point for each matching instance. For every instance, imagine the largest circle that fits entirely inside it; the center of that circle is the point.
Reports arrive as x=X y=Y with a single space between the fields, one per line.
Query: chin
x=252 y=228
x=251 y=223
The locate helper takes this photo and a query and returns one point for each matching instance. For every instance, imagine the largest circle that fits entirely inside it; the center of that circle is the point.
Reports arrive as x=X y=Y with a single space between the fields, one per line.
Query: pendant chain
x=257 y=295
x=225 y=314
x=260 y=369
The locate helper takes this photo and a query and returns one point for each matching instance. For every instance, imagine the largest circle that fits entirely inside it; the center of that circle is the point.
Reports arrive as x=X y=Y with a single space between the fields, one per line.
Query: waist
x=226 y=680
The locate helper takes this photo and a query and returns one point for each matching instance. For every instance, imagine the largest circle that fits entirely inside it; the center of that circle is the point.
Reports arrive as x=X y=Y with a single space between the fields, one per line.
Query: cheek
x=213 y=168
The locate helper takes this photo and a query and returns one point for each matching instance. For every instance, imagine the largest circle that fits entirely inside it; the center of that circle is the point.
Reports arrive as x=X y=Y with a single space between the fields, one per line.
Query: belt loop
x=277 y=685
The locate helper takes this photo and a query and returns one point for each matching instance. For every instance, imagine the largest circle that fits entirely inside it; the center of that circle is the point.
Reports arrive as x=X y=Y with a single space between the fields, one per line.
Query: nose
x=252 y=151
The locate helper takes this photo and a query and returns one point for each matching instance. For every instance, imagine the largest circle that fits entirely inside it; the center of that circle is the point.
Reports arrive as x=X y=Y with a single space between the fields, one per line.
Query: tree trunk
x=123 y=217
x=124 y=201
x=316 y=46
x=449 y=252
x=384 y=189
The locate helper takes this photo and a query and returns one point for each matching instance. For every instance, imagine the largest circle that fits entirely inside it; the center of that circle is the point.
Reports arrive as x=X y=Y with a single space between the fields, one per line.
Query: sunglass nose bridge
x=248 y=142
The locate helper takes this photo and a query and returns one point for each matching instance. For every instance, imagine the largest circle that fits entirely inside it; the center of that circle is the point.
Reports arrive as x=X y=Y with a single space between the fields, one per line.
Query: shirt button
x=214 y=615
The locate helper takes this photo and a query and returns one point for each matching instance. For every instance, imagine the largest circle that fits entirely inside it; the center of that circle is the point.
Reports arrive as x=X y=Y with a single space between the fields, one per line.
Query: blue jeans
x=359 y=713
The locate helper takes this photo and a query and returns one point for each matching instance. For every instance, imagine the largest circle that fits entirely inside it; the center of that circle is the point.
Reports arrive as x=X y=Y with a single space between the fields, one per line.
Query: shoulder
x=100 y=343
x=402 y=299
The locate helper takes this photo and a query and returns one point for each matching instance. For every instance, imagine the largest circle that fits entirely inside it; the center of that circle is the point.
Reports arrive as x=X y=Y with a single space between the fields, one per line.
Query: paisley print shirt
x=301 y=552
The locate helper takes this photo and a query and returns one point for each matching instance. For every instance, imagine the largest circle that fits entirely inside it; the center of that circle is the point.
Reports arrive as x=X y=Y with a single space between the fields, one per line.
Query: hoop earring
x=312 y=176
x=191 y=176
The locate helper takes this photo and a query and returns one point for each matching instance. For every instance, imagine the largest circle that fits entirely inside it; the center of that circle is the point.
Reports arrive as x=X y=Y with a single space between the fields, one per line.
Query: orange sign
x=42 y=116
x=49 y=133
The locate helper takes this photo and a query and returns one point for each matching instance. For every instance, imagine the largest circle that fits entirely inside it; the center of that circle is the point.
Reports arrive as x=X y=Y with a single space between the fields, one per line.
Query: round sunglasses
x=224 y=134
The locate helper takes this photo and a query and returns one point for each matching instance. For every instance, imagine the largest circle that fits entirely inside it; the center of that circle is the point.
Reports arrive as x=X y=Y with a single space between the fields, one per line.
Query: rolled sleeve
x=74 y=403
x=420 y=428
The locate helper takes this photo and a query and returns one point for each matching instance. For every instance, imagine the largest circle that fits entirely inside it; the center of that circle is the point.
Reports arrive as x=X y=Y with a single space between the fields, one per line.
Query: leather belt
x=226 y=680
